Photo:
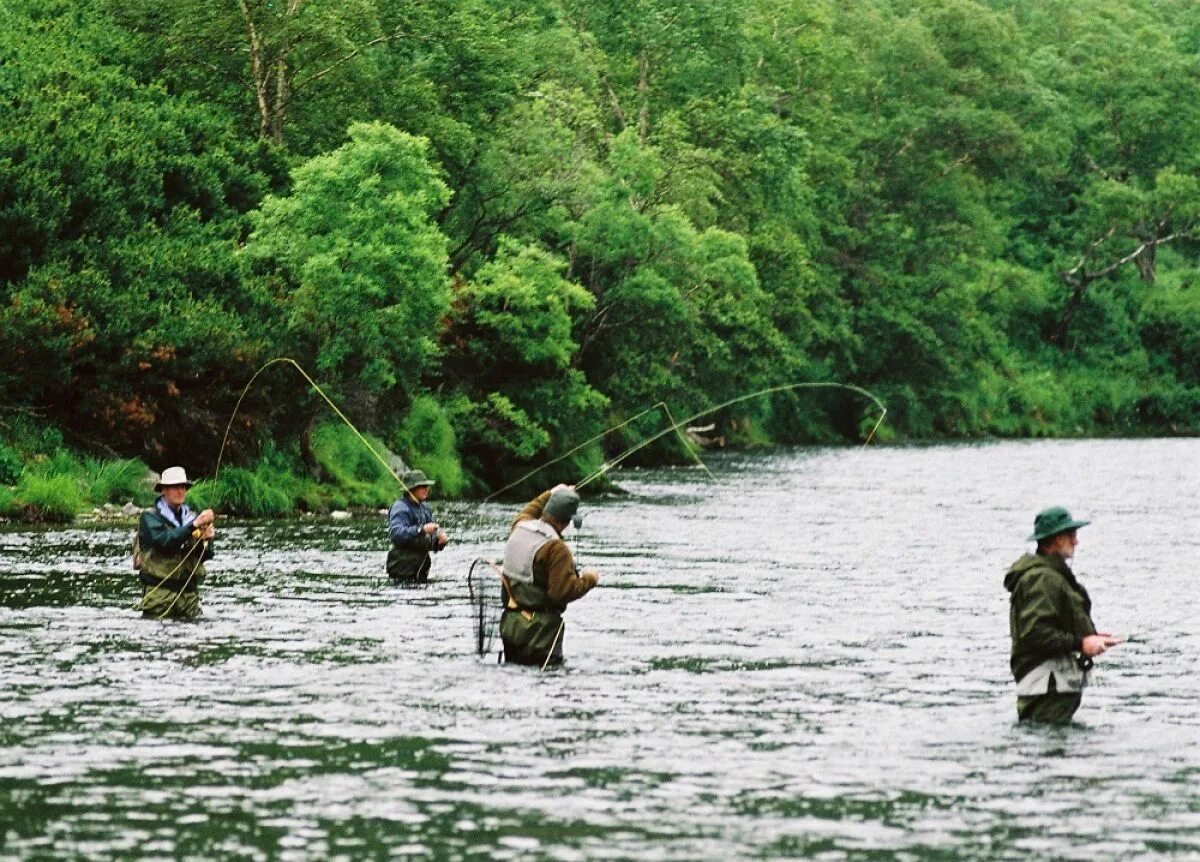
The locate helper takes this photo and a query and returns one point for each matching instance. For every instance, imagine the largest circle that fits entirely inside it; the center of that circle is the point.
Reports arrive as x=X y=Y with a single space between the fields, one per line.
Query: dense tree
x=496 y=228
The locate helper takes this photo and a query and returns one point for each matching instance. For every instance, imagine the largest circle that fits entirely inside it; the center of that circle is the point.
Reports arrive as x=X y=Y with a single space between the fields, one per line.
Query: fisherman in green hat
x=1053 y=637
x=170 y=549
x=414 y=533
x=540 y=579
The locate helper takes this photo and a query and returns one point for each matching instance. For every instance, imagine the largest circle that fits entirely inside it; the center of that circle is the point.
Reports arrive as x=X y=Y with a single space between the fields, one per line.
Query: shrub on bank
x=11 y=464
x=49 y=496
x=120 y=481
x=356 y=473
x=8 y=505
x=426 y=439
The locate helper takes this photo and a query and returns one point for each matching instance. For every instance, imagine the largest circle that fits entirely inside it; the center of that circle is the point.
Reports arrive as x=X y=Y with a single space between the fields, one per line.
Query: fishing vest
x=177 y=571
x=1068 y=676
x=526 y=540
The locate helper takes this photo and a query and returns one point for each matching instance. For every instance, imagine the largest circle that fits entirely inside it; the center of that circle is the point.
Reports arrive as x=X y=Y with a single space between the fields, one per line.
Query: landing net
x=483 y=584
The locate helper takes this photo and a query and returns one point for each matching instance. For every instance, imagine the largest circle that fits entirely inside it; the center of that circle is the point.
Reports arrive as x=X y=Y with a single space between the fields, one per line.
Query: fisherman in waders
x=171 y=546
x=540 y=579
x=1053 y=637
x=414 y=533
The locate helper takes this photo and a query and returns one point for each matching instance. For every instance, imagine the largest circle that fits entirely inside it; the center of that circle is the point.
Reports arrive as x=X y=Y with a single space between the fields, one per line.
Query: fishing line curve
x=608 y=465
x=319 y=391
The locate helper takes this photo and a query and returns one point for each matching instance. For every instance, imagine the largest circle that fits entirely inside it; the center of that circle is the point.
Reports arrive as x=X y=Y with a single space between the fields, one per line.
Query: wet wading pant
x=1054 y=706
x=174 y=597
x=407 y=566
x=530 y=636
x=1049 y=708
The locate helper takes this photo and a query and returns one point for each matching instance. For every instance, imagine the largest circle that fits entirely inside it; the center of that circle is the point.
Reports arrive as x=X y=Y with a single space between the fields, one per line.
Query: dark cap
x=1052 y=521
x=562 y=505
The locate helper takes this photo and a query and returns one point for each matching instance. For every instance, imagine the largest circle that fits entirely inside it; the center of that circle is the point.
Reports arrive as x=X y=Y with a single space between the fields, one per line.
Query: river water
x=806 y=658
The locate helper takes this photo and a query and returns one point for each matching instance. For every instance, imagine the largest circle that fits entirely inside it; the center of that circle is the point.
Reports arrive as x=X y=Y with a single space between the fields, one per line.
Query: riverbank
x=61 y=485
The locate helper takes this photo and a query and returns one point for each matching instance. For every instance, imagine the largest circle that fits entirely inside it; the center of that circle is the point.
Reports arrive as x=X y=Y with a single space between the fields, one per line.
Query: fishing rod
x=770 y=390
x=1142 y=636
x=328 y=400
x=588 y=442
x=673 y=426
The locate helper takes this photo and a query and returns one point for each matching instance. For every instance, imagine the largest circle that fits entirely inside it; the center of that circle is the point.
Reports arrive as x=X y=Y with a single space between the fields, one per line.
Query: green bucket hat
x=1052 y=521
x=417 y=478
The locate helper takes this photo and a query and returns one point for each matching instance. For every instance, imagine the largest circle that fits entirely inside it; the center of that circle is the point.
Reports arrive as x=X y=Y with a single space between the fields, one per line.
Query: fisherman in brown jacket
x=540 y=579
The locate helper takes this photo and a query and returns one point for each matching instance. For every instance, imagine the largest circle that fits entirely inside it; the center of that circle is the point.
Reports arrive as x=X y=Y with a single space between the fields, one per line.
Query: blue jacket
x=408 y=559
x=405 y=520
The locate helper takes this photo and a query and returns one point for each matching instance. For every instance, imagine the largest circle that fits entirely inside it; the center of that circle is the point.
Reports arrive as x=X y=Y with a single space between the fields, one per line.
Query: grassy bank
x=44 y=480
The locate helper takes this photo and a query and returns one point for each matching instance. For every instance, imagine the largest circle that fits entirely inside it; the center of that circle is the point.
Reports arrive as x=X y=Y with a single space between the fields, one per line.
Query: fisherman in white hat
x=413 y=531
x=170 y=549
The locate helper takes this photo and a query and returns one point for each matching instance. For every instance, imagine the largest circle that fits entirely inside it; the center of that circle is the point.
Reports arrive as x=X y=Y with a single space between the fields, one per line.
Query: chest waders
x=531 y=625
x=170 y=580
x=1052 y=692
x=405 y=565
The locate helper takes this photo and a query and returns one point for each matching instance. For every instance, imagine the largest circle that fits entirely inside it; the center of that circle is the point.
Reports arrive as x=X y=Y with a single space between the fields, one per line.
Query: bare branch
x=318 y=75
x=614 y=102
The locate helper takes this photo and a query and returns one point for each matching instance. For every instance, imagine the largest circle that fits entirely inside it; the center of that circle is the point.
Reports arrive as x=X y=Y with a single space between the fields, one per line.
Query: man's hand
x=430 y=528
x=1095 y=644
x=561 y=486
x=442 y=539
x=203 y=519
x=209 y=533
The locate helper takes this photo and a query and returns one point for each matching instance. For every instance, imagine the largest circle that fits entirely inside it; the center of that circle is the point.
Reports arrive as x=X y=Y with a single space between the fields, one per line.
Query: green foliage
x=355 y=472
x=45 y=494
x=256 y=493
x=548 y=218
x=8 y=502
x=120 y=481
x=426 y=438
x=511 y=354
x=358 y=260
x=11 y=464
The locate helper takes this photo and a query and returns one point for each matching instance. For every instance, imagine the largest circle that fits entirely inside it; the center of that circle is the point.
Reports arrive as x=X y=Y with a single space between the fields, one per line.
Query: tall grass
x=49 y=496
x=121 y=481
x=259 y=492
x=357 y=474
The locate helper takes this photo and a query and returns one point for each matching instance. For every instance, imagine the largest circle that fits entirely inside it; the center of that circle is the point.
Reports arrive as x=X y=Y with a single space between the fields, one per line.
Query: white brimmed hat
x=172 y=476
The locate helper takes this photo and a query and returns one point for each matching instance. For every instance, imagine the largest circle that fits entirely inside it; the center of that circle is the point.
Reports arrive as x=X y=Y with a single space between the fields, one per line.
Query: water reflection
x=808 y=658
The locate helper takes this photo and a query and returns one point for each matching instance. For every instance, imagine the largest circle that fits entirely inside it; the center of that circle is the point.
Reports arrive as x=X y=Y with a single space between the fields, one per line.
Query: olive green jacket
x=1049 y=611
x=169 y=557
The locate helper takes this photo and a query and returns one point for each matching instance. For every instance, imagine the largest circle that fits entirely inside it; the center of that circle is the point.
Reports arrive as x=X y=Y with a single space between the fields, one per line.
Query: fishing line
x=608 y=465
x=1142 y=636
x=170 y=575
x=672 y=427
x=677 y=425
x=328 y=400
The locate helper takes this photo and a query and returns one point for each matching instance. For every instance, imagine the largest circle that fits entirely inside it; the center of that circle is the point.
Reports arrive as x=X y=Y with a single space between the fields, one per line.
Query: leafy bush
x=11 y=464
x=8 y=503
x=426 y=438
x=355 y=471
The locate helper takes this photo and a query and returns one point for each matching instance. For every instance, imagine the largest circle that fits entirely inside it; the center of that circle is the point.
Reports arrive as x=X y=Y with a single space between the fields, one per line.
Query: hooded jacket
x=1049 y=611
